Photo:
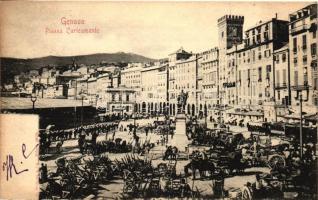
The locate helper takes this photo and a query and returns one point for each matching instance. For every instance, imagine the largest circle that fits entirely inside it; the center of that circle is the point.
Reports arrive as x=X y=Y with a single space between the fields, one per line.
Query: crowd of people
x=48 y=136
x=234 y=146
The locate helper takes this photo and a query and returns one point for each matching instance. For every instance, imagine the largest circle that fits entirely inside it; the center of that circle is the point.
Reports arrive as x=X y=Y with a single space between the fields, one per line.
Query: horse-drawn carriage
x=290 y=176
x=76 y=178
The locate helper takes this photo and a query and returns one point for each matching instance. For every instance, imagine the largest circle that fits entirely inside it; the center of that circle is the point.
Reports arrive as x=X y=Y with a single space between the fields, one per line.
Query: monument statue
x=180 y=138
x=182 y=101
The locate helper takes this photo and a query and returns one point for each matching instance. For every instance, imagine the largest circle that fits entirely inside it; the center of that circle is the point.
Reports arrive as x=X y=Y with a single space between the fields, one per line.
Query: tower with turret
x=230 y=31
x=230 y=34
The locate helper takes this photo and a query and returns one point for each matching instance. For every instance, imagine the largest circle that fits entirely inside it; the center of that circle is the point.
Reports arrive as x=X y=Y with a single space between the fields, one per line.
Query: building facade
x=303 y=56
x=209 y=63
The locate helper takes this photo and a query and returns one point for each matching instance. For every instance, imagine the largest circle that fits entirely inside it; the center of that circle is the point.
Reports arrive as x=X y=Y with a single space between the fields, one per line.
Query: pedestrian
x=146 y=130
x=43 y=172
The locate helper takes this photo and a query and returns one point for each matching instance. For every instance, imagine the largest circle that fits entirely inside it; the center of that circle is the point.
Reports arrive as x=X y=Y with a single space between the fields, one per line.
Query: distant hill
x=13 y=66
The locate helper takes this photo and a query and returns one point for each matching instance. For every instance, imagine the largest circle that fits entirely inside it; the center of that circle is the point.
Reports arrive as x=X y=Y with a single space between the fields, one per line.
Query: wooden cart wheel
x=276 y=161
x=246 y=194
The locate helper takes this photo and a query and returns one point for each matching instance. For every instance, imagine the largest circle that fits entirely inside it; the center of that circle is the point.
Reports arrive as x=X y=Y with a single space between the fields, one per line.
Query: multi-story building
x=131 y=78
x=92 y=90
x=282 y=78
x=303 y=56
x=183 y=72
x=153 y=90
x=230 y=33
x=246 y=74
x=103 y=81
x=131 y=75
x=268 y=67
x=209 y=63
x=120 y=100
x=162 y=87
x=246 y=69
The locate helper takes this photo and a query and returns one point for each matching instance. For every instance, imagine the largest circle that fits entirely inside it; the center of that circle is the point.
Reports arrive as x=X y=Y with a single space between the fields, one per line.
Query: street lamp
x=205 y=115
x=82 y=97
x=301 y=124
x=33 y=99
x=134 y=115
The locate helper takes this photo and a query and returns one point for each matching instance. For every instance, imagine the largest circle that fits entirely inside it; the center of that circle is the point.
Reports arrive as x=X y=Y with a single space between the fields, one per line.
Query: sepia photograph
x=158 y=100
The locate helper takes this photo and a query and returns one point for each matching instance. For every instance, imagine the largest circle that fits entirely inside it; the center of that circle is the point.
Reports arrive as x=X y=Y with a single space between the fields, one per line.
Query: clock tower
x=230 y=33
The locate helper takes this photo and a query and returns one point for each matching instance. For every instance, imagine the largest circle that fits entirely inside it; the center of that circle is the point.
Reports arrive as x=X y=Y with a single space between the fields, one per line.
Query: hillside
x=14 y=66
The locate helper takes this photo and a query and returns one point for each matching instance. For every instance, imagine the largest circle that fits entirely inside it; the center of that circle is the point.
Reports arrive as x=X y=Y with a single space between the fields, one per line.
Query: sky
x=153 y=29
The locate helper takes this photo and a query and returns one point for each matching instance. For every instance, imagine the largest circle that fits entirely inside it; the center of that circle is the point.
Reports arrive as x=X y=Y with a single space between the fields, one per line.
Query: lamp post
x=301 y=125
x=82 y=97
x=205 y=115
x=134 y=114
x=168 y=122
x=33 y=99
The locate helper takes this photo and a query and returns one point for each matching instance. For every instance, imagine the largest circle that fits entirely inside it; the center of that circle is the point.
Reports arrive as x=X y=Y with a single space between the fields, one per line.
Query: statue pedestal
x=180 y=139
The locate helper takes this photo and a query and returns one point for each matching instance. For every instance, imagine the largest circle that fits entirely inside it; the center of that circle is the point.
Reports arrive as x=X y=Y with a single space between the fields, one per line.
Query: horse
x=235 y=162
x=200 y=165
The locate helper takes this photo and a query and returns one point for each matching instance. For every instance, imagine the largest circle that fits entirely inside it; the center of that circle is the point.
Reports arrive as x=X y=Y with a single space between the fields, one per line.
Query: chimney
x=276 y=15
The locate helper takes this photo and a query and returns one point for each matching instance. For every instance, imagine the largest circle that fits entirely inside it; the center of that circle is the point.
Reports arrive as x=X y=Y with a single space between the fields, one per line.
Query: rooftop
x=13 y=103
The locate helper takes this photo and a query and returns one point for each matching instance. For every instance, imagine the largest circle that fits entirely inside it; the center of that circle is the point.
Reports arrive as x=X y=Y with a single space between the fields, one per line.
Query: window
x=127 y=97
x=258 y=38
x=277 y=59
x=305 y=59
x=296 y=78
x=305 y=76
x=267 y=53
x=313 y=49
x=315 y=83
x=284 y=57
x=268 y=71
x=113 y=97
x=295 y=61
x=260 y=74
x=277 y=79
x=248 y=74
x=259 y=56
x=266 y=36
x=295 y=45
x=284 y=77
x=239 y=75
x=304 y=42
x=253 y=55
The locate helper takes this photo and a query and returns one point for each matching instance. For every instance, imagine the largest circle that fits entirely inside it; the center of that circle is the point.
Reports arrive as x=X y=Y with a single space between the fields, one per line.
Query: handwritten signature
x=10 y=167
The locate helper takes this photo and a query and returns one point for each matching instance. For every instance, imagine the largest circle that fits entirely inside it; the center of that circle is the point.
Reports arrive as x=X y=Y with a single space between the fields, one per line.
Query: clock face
x=232 y=31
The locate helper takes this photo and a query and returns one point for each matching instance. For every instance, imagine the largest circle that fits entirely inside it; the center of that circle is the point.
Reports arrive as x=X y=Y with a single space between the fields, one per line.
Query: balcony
x=300 y=87
x=280 y=86
x=299 y=29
